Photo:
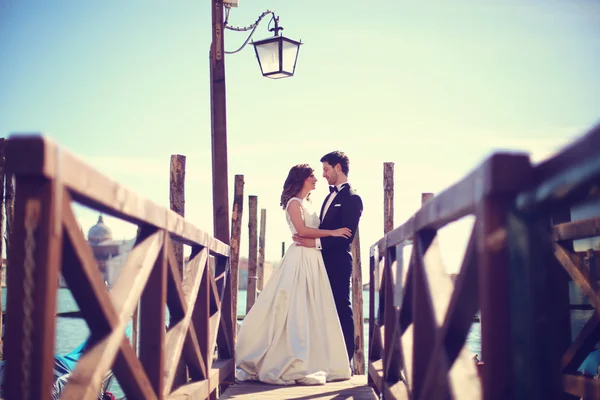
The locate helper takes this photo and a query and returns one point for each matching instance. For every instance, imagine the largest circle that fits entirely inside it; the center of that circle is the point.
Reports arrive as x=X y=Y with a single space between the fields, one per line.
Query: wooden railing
x=47 y=240
x=419 y=320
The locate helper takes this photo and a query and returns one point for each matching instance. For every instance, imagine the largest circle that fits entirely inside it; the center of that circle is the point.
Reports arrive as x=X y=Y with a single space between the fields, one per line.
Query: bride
x=292 y=333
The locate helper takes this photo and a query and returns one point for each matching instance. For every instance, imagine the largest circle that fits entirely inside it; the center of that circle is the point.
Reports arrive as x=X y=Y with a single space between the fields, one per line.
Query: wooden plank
x=355 y=388
x=374 y=353
x=376 y=374
x=175 y=338
x=152 y=322
x=35 y=258
x=236 y=234
x=252 y=252
x=201 y=390
x=585 y=341
x=389 y=314
x=201 y=320
x=396 y=391
x=222 y=290
x=175 y=296
x=358 y=360
x=431 y=297
x=573 y=185
x=571 y=263
x=500 y=173
x=2 y=177
x=494 y=279
x=260 y=270
x=536 y=361
x=34 y=155
x=581 y=386
x=577 y=229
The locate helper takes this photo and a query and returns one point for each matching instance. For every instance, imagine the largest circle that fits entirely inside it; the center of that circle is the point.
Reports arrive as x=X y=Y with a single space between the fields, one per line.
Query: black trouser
x=340 y=274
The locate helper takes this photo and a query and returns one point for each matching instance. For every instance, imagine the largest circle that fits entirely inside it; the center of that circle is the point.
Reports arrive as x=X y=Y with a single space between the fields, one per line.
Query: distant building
x=110 y=254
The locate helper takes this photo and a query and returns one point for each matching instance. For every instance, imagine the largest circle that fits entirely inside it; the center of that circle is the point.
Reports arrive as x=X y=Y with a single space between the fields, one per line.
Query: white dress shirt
x=329 y=201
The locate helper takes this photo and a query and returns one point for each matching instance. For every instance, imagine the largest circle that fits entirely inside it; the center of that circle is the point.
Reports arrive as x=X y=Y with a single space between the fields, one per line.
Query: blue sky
x=434 y=87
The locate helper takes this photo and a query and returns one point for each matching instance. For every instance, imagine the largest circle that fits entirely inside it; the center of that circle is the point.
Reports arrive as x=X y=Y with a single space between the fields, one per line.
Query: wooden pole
x=357 y=308
x=177 y=199
x=261 y=251
x=218 y=114
x=425 y=197
x=236 y=235
x=177 y=204
x=9 y=205
x=2 y=170
x=252 y=253
x=388 y=196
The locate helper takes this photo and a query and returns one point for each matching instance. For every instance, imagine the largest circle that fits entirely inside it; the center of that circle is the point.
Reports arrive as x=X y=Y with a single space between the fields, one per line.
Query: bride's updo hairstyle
x=294 y=182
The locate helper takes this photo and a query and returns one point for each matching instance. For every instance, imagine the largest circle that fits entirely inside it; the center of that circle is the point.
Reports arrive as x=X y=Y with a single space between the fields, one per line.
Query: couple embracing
x=301 y=329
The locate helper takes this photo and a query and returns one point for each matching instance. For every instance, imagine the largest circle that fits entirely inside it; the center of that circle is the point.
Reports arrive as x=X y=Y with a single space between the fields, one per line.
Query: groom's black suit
x=345 y=211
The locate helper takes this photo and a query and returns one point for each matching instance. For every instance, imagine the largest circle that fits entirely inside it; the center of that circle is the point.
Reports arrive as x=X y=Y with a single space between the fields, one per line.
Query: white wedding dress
x=292 y=334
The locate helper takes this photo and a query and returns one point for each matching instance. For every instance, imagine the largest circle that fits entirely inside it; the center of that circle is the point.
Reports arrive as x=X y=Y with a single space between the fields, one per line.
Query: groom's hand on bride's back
x=304 y=242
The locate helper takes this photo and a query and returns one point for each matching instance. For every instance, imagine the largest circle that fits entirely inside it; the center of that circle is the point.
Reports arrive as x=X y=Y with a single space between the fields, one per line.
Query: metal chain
x=32 y=217
x=247 y=28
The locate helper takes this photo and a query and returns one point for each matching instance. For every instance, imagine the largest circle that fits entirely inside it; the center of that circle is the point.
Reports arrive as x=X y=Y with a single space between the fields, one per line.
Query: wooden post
x=177 y=204
x=2 y=171
x=388 y=196
x=9 y=205
x=261 y=251
x=177 y=199
x=252 y=255
x=357 y=308
x=425 y=197
x=236 y=234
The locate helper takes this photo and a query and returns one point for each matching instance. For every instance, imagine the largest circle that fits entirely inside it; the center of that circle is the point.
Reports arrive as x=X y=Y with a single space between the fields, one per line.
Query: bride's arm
x=304 y=231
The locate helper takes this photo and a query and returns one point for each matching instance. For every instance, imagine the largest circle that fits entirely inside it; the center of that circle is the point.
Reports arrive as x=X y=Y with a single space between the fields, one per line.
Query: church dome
x=99 y=232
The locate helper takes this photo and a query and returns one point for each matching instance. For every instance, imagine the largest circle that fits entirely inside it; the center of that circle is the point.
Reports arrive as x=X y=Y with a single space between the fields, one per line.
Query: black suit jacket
x=345 y=211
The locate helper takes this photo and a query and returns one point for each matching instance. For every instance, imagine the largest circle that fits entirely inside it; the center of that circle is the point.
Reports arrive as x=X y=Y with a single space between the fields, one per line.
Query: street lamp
x=277 y=59
x=277 y=55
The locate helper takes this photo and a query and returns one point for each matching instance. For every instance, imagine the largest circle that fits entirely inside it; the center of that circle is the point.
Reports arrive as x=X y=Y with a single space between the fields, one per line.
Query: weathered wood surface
x=236 y=237
x=48 y=237
x=388 y=196
x=252 y=251
x=260 y=271
x=93 y=189
x=177 y=204
x=355 y=388
x=177 y=198
x=357 y=307
x=2 y=173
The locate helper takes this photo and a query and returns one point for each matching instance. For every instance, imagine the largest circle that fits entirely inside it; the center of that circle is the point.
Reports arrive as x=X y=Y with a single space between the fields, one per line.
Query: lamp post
x=218 y=118
x=277 y=59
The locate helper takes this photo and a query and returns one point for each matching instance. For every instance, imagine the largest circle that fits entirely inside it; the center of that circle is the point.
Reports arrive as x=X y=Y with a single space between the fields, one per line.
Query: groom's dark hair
x=337 y=157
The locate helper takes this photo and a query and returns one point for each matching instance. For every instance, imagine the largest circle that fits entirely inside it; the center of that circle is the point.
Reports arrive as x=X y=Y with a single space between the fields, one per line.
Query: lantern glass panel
x=268 y=56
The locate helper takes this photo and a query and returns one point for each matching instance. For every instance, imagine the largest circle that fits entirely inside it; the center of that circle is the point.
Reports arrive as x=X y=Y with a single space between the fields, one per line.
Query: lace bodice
x=311 y=219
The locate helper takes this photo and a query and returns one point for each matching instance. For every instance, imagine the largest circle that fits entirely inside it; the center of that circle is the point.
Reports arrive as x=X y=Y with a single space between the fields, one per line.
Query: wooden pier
x=356 y=388
x=518 y=269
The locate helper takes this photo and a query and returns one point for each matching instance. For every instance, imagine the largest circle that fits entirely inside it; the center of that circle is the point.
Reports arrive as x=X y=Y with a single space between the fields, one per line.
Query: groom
x=341 y=208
